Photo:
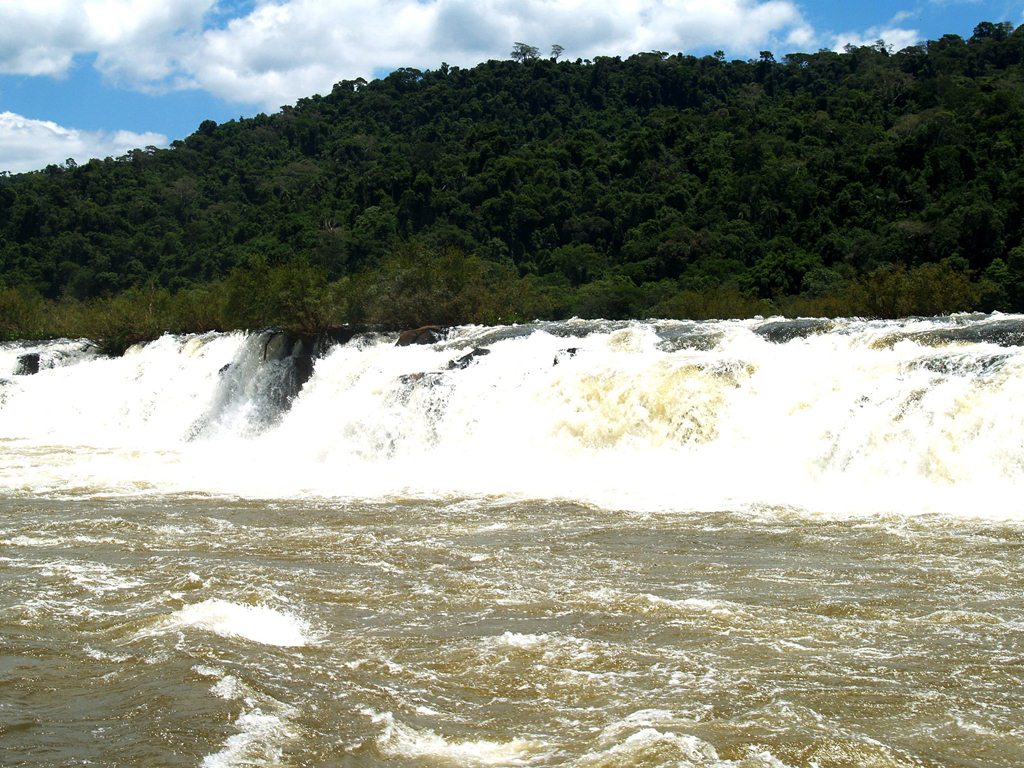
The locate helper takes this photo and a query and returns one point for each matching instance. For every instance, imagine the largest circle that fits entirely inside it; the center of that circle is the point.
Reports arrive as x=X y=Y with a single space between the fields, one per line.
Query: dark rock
x=28 y=364
x=277 y=345
x=565 y=353
x=339 y=334
x=303 y=366
x=1007 y=332
x=697 y=336
x=427 y=334
x=464 y=361
x=299 y=351
x=782 y=331
x=433 y=377
x=424 y=377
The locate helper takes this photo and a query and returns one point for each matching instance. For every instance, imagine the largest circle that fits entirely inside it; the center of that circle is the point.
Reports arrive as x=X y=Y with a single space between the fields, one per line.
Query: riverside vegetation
x=869 y=182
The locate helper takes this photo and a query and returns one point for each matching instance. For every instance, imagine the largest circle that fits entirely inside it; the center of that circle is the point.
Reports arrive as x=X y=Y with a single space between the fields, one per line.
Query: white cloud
x=137 y=40
x=895 y=38
x=27 y=144
x=280 y=50
x=902 y=16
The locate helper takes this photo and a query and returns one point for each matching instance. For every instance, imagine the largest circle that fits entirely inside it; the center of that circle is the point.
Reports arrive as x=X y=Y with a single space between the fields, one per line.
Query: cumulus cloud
x=27 y=144
x=278 y=50
x=895 y=38
x=138 y=40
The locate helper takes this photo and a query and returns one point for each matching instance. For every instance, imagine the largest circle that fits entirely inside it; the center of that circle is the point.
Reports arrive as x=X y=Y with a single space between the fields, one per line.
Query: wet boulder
x=1005 y=332
x=463 y=362
x=427 y=334
x=28 y=364
x=783 y=331
x=296 y=353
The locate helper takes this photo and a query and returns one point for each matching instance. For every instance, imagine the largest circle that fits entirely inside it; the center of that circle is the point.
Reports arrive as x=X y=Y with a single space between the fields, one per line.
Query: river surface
x=745 y=545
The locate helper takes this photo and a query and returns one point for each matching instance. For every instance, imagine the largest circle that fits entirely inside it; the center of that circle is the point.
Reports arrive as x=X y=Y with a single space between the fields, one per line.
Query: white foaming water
x=48 y=355
x=519 y=640
x=831 y=417
x=146 y=399
x=400 y=740
x=650 y=737
x=256 y=743
x=256 y=623
x=262 y=727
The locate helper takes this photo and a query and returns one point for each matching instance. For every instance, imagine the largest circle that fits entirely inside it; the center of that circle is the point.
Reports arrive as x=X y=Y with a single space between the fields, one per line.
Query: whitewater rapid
x=823 y=417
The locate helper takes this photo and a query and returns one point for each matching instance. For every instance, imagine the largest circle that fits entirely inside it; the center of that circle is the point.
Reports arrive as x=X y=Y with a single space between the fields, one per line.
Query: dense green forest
x=868 y=182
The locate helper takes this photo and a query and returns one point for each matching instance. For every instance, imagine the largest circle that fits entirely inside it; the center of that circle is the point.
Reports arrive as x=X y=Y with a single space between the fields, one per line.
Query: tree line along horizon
x=870 y=182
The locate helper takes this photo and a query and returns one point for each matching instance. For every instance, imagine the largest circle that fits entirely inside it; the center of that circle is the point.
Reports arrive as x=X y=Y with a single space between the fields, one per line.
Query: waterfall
x=824 y=416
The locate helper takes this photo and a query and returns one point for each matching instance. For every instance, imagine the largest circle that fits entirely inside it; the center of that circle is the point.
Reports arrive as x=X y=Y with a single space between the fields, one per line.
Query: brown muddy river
x=185 y=631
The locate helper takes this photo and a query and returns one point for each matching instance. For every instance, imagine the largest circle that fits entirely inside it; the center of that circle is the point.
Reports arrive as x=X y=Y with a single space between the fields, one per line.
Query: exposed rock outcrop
x=458 y=364
x=301 y=350
x=427 y=334
x=464 y=361
x=28 y=364
x=782 y=331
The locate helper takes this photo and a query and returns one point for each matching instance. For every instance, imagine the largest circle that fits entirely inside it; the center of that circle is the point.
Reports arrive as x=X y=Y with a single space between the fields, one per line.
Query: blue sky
x=95 y=78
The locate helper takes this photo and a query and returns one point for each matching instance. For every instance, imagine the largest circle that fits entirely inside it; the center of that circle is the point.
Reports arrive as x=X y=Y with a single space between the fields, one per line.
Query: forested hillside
x=868 y=182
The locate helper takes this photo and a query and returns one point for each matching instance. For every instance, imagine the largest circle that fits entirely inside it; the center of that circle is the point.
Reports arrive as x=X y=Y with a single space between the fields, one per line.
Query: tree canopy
x=653 y=185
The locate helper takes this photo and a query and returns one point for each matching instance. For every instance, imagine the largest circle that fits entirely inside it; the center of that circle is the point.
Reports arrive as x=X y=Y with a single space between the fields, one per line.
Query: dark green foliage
x=294 y=296
x=418 y=285
x=866 y=182
x=22 y=314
